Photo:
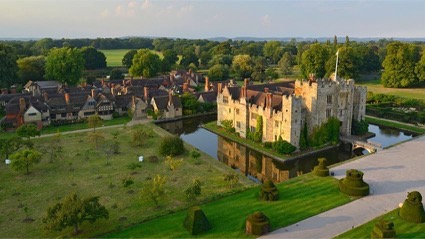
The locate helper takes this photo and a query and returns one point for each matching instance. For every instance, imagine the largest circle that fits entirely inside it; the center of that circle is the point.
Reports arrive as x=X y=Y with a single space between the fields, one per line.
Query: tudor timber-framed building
x=286 y=106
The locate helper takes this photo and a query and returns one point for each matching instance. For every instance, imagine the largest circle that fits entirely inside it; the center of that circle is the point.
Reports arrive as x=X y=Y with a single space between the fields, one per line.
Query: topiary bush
x=353 y=184
x=412 y=209
x=321 y=170
x=257 y=224
x=283 y=146
x=268 y=191
x=196 y=222
x=171 y=145
x=383 y=229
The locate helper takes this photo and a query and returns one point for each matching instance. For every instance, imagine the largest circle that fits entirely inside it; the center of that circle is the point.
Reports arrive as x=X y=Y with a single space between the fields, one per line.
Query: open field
x=114 y=57
x=300 y=198
x=84 y=170
x=403 y=229
x=376 y=87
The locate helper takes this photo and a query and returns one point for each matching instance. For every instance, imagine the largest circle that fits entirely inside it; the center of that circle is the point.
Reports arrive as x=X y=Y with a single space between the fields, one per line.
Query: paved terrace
x=390 y=173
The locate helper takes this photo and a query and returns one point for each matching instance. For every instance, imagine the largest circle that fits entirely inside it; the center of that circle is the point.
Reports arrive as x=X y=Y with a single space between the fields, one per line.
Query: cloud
x=185 y=10
x=118 y=10
x=104 y=13
x=266 y=21
x=132 y=4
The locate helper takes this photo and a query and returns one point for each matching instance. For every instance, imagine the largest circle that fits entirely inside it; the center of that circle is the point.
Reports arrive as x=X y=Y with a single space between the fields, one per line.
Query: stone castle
x=286 y=106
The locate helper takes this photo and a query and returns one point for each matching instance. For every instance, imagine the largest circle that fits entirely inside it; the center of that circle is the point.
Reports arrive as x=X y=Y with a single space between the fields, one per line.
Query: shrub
x=268 y=191
x=196 y=222
x=383 y=229
x=231 y=179
x=412 y=209
x=268 y=145
x=193 y=191
x=321 y=170
x=257 y=224
x=359 y=127
x=283 y=146
x=134 y=165
x=353 y=184
x=227 y=125
x=127 y=181
x=152 y=159
x=171 y=145
x=195 y=154
x=172 y=163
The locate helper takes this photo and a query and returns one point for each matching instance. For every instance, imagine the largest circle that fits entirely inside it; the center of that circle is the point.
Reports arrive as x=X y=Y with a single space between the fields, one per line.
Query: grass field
x=376 y=87
x=403 y=229
x=84 y=170
x=300 y=198
x=398 y=125
x=114 y=57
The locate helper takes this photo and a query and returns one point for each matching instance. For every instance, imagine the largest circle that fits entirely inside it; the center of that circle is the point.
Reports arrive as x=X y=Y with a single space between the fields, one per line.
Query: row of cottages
x=285 y=107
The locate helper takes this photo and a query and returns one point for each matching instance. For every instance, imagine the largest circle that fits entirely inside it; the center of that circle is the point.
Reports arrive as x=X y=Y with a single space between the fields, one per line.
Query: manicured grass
x=389 y=123
x=84 y=170
x=376 y=87
x=300 y=198
x=114 y=57
x=403 y=229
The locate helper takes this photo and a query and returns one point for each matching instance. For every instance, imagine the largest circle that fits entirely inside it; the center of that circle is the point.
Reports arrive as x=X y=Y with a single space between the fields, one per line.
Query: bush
x=257 y=224
x=127 y=181
x=172 y=146
x=196 y=222
x=359 y=127
x=134 y=165
x=228 y=125
x=412 y=209
x=353 y=184
x=268 y=145
x=283 y=146
x=195 y=154
x=116 y=74
x=321 y=170
x=268 y=191
x=193 y=191
x=152 y=159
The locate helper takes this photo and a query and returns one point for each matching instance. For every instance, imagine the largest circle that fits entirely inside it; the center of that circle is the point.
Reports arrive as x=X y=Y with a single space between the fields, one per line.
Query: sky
x=211 y=18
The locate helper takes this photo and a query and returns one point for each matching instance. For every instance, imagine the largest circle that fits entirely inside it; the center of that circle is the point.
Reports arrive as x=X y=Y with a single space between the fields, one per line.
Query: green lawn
x=403 y=229
x=114 y=57
x=376 y=87
x=300 y=198
x=84 y=170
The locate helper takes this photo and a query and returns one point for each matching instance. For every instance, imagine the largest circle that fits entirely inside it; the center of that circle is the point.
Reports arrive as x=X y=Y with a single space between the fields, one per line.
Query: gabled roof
x=210 y=97
x=122 y=100
x=6 y=98
x=162 y=102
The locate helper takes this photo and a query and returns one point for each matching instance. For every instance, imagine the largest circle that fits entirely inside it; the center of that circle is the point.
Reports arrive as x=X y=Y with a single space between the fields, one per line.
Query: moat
x=259 y=167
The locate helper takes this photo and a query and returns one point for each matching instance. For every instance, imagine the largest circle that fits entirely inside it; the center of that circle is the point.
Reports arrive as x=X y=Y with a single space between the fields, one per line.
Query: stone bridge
x=356 y=143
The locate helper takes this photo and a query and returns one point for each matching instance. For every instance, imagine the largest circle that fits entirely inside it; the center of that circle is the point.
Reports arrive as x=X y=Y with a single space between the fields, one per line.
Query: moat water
x=259 y=167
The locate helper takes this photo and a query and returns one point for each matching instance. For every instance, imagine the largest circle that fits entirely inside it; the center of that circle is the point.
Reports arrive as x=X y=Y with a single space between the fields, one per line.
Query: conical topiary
x=353 y=184
x=383 y=229
x=196 y=221
x=321 y=170
x=412 y=209
x=268 y=191
x=257 y=224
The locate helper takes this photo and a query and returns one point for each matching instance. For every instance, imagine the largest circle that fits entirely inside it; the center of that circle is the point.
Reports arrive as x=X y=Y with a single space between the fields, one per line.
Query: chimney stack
x=102 y=81
x=185 y=87
x=246 y=82
x=266 y=89
x=93 y=93
x=170 y=98
x=146 y=93
x=67 y=98
x=22 y=104
x=172 y=78
x=190 y=72
x=4 y=91
x=207 y=84
x=45 y=96
x=219 y=87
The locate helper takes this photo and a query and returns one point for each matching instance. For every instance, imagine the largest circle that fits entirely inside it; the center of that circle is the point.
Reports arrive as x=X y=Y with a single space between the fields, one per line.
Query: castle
x=286 y=106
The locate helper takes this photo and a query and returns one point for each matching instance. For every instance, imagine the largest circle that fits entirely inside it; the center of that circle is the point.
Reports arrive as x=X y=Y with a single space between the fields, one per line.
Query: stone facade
x=285 y=107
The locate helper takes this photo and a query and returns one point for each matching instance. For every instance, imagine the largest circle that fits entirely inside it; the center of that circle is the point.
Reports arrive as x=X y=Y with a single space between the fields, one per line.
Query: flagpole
x=336 y=66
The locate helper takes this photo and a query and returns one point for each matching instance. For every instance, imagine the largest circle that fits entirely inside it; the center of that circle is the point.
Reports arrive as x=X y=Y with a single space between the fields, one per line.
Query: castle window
x=252 y=129
x=253 y=116
x=238 y=124
x=32 y=114
x=230 y=110
x=276 y=124
x=329 y=99
x=237 y=111
x=340 y=113
x=328 y=113
x=225 y=99
x=275 y=138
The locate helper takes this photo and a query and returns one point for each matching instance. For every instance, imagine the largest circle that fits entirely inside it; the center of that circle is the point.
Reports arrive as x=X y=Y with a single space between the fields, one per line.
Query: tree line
x=402 y=63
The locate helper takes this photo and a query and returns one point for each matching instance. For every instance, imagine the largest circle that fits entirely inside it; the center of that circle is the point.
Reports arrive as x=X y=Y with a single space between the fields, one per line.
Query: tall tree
x=42 y=46
x=189 y=57
x=259 y=69
x=93 y=58
x=24 y=159
x=314 y=60
x=242 y=66
x=65 y=65
x=27 y=131
x=154 y=190
x=145 y=63
x=94 y=121
x=349 y=63
x=399 y=65
x=218 y=72
x=10 y=145
x=270 y=48
x=169 y=60
x=8 y=66
x=31 y=68
x=285 y=64
x=73 y=211
x=127 y=60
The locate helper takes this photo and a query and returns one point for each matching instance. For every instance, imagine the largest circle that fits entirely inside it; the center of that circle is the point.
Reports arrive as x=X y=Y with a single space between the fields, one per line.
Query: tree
x=193 y=191
x=8 y=66
x=73 y=211
x=145 y=63
x=42 y=46
x=259 y=70
x=349 y=63
x=94 y=121
x=285 y=64
x=272 y=74
x=139 y=134
x=65 y=65
x=31 y=68
x=27 y=131
x=218 y=72
x=116 y=74
x=190 y=104
x=314 y=60
x=270 y=48
x=242 y=66
x=420 y=69
x=154 y=190
x=171 y=145
x=93 y=58
x=24 y=159
x=169 y=60
x=188 y=58
x=172 y=163
x=127 y=60
x=231 y=179
x=96 y=138
x=54 y=148
x=399 y=65
x=8 y=146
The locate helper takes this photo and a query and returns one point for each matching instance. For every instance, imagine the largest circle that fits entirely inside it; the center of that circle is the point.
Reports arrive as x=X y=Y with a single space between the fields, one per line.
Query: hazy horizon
x=210 y=19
